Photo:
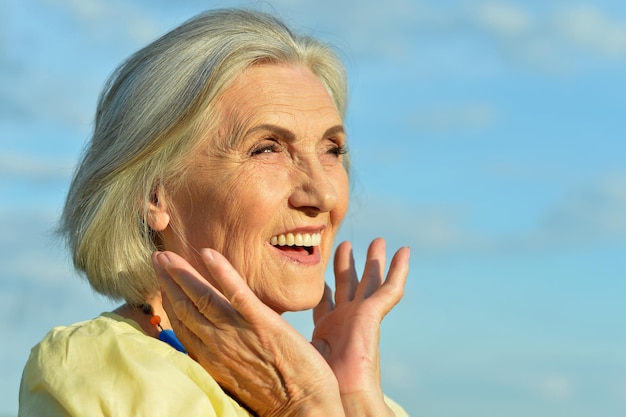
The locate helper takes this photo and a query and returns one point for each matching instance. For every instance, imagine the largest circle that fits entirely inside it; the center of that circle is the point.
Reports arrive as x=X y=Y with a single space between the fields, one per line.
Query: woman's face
x=269 y=189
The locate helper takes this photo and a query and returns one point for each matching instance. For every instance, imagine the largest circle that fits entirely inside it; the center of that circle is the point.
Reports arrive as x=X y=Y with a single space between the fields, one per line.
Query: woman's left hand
x=347 y=330
x=249 y=349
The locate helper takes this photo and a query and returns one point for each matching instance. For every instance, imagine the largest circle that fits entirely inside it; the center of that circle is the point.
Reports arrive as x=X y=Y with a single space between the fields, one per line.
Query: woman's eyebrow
x=285 y=134
x=334 y=131
x=288 y=135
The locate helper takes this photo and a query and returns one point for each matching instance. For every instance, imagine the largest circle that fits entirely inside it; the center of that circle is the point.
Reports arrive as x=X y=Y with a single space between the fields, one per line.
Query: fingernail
x=163 y=259
x=207 y=254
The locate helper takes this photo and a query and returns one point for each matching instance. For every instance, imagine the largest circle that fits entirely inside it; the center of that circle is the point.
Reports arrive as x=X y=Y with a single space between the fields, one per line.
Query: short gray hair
x=154 y=111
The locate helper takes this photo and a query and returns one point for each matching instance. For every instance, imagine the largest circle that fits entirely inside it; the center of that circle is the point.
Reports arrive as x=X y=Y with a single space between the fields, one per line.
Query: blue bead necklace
x=165 y=335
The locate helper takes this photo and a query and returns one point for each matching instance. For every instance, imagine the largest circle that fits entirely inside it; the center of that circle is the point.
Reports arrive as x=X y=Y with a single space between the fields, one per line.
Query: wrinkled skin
x=274 y=167
x=265 y=363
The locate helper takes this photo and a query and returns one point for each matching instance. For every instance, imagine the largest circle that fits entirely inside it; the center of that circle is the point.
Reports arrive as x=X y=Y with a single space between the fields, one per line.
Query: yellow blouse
x=109 y=367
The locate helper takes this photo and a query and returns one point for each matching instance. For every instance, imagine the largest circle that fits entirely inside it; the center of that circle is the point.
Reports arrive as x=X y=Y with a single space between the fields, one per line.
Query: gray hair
x=153 y=113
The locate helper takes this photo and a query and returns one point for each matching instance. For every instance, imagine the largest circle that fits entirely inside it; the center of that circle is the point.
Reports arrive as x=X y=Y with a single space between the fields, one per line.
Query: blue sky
x=486 y=135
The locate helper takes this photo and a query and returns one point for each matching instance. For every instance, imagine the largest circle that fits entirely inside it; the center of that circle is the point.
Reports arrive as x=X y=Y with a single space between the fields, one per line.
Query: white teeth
x=299 y=239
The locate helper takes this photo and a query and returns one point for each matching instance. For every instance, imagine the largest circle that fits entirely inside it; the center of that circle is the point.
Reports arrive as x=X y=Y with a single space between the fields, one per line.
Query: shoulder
x=93 y=343
x=103 y=345
x=108 y=366
x=97 y=333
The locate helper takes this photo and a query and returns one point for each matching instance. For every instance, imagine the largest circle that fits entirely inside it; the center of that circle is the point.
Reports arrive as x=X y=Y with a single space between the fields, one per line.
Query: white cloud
x=553 y=39
x=425 y=229
x=399 y=30
x=397 y=373
x=589 y=215
x=25 y=166
x=102 y=19
x=555 y=387
x=47 y=98
x=37 y=266
x=556 y=39
x=551 y=386
x=367 y=29
x=586 y=216
x=29 y=250
x=617 y=390
x=589 y=28
x=462 y=117
x=504 y=18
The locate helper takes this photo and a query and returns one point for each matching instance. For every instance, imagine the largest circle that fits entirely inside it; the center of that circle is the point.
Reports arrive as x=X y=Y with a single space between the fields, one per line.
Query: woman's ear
x=158 y=213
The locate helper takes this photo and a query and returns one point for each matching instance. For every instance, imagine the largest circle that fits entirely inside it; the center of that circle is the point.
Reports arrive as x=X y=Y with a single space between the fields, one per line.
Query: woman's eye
x=337 y=150
x=265 y=148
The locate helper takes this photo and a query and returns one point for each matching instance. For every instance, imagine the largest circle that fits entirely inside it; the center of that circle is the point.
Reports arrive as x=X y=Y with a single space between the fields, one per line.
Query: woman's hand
x=250 y=350
x=347 y=331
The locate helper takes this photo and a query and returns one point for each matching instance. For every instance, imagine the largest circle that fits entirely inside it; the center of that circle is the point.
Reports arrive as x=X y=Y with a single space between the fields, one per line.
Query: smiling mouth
x=296 y=242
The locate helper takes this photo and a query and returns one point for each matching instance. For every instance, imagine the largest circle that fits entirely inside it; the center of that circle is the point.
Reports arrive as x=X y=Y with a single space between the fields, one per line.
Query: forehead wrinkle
x=290 y=136
x=287 y=126
x=234 y=130
x=235 y=125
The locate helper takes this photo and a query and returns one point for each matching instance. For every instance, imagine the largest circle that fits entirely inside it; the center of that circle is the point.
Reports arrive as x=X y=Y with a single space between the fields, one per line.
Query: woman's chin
x=296 y=302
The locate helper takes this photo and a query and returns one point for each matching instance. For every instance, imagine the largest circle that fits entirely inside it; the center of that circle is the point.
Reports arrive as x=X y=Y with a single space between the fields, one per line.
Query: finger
x=322 y=347
x=172 y=268
x=182 y=311
x=346 y=280
x=191 y=297
x=234 y=287
x=391 y=291
x=236 y=299
x=188 y=338
x=325 y=305
x=374 y=269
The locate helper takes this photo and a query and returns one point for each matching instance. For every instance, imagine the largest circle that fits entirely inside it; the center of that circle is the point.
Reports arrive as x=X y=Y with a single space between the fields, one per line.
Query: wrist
x=313 y=402
x=321 y=406
x=364 y=404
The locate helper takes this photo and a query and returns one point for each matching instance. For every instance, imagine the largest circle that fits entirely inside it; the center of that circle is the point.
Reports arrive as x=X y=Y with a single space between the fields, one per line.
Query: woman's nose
x=314 y=191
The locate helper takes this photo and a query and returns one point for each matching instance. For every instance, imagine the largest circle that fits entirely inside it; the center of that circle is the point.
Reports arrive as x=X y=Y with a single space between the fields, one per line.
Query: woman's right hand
x=250 y=350
x=347 y=326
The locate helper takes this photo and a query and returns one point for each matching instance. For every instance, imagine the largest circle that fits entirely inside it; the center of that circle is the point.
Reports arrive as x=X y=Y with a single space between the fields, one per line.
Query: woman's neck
x=135 y=313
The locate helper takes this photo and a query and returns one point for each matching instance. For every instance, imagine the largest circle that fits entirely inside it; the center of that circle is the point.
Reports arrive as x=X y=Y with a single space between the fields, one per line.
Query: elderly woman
x=208 y=200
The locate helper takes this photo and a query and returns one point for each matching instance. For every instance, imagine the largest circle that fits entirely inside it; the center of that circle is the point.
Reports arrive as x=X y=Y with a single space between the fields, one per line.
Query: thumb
x=322 y=347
